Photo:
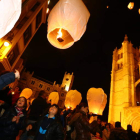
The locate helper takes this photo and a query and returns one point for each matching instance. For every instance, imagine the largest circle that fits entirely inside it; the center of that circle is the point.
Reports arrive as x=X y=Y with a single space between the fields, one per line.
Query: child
x=13 y=120
x=97 y=136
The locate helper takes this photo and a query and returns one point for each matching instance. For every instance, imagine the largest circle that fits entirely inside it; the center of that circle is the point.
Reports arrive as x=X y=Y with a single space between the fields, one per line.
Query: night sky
x=91 y=57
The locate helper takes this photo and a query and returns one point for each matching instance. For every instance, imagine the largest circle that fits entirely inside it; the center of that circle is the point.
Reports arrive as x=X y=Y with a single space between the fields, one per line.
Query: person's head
x=98 y=120
x=17 y=90
x=22 y=102
x=54 y=109
x=129 y=127
x=42 y=94
x=107 y=126
x=83 y=107
x=97 y=134
x=117 y=124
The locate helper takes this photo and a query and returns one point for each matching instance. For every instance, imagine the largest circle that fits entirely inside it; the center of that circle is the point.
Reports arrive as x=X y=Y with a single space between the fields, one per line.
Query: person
x=106 y=132
x=138 y=135
x=3 y=107
x=131 y=134
x=39 y=105
x=13 y=120
x=80 y=122
x=15 y=94
x=118 y=133
x=8 y=78
x=97 y=136
x=48 y=127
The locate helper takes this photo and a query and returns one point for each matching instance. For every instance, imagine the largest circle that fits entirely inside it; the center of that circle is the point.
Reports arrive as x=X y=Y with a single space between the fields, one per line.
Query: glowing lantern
x=131 y=5
x=27 y=93
x=10 y=11
x=73 y=98
x=107 y=7
x=68 y=18
x=139 y=11
x=97 y=100
x=54 y=97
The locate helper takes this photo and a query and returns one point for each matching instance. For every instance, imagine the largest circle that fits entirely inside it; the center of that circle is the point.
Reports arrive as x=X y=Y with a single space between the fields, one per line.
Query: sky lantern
x=73 y=98
x=27 y=93
x=10 y=11
x=131 y=5
x=97 y=100
x=54 y=97
x=67 y=23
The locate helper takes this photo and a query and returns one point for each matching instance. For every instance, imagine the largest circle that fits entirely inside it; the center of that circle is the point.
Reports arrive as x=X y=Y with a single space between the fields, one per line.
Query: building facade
x=32 y=16
x=125 y=86
x=30 y=80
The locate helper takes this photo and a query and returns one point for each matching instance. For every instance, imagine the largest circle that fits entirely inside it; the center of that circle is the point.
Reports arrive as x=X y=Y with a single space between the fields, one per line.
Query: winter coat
x=118 y=134
x=6 y=79
x=131 y=135
x=54 y=130
x=38 y=106
x=8 y=129
x=105 y=134
x=82 y=126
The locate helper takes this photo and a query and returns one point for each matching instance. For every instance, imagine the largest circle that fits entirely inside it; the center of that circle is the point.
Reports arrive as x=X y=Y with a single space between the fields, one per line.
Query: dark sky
x=91 y=57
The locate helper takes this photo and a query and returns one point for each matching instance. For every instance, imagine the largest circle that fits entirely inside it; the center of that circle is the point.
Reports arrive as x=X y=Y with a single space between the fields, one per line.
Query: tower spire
x=126 y=37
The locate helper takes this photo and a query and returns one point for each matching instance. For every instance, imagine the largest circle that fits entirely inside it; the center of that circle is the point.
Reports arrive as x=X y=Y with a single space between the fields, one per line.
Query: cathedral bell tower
x=123 y=77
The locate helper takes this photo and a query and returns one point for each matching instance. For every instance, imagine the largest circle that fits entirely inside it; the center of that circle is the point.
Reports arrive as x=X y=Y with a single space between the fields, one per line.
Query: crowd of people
x=45 y=121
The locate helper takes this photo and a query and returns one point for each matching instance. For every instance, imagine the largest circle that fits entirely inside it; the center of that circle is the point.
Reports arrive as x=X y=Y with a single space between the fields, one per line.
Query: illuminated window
x=33 y=82
x=40 y=85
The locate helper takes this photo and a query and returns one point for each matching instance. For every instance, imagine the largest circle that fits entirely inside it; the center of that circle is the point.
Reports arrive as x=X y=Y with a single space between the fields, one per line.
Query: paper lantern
x=73 y=98
x=27 y=93
x=10 y=11
x=131 y=5
x=67 y=23
x=97 y=100
x=54 y=97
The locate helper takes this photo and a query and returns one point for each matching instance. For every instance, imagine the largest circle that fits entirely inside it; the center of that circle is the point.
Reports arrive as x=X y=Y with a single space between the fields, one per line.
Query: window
x=67 y=79
x=48 y=88
x=40 y=85
x=120 y=66
x=120 y=56
x=35 y=6
x=33 y=82
x=38 y=19
x=27 y=35
x=12 y=56
x=62 y=94
x=19 y=26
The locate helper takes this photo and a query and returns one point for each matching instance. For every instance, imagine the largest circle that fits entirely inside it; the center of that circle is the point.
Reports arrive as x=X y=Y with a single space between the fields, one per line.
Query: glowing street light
x=6 y=43
x=47 y=11
x=48 y=2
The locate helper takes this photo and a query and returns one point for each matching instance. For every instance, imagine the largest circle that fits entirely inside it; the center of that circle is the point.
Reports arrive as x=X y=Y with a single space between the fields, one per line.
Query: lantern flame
x=13 y=93
x=59 y=33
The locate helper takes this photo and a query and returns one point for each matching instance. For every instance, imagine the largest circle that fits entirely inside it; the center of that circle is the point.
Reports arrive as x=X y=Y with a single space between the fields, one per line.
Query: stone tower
x=125 y=82
x=67 y=81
